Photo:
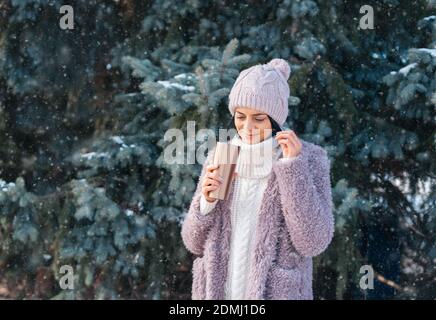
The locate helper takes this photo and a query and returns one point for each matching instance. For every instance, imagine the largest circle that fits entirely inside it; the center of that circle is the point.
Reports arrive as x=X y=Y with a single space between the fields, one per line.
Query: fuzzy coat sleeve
x=306 y=199
x=196 y=225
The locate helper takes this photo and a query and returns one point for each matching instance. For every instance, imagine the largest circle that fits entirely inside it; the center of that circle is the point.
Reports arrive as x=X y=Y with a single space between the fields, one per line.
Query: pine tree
x=84 y=115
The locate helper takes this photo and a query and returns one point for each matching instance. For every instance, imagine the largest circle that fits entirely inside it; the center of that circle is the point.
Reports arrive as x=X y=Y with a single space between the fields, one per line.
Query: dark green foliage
x=84 y=112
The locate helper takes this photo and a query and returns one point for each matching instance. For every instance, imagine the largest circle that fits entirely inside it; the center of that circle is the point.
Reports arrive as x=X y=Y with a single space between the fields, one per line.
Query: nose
x=249 y=125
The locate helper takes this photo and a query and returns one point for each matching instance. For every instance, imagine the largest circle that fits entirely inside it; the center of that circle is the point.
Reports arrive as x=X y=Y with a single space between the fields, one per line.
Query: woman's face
x=253 y=126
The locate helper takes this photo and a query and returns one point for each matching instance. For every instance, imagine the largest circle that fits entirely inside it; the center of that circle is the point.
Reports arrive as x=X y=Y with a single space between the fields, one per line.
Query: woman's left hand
x=289 y=142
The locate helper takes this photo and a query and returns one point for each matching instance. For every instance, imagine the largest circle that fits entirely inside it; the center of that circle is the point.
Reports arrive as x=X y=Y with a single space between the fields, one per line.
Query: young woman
x=259 y=243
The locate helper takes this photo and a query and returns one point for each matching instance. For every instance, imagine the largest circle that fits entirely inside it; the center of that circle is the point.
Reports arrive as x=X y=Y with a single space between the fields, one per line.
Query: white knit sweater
x=254 y=168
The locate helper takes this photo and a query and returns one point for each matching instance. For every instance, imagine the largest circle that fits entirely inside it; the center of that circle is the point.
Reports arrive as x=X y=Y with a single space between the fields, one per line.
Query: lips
x=251 y=135
x=252 y=138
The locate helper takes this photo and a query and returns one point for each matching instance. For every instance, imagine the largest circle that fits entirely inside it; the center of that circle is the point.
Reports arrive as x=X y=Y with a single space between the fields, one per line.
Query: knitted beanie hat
x=263 y=87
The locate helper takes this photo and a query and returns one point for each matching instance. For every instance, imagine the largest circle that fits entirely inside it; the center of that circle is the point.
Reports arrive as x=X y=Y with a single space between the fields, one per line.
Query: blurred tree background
x=84 y=111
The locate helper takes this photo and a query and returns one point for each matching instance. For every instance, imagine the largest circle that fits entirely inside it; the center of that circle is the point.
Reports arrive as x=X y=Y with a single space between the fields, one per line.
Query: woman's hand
x=289 y=142
x=212 y=181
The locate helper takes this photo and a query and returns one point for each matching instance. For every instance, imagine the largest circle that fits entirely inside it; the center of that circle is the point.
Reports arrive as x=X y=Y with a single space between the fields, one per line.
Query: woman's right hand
x=212 y=181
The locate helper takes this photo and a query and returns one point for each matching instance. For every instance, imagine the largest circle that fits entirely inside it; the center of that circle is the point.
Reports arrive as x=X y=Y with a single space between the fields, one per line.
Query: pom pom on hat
x=282 y=66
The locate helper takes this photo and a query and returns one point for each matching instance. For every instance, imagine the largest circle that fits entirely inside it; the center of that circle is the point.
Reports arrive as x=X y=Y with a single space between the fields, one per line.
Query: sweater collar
x=256 y=160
